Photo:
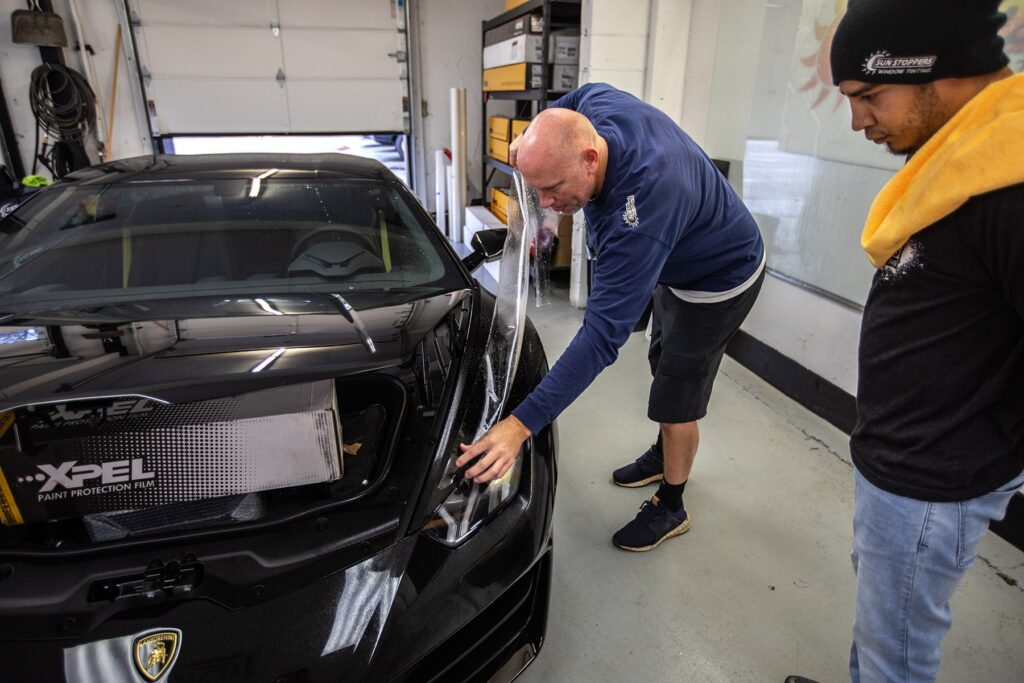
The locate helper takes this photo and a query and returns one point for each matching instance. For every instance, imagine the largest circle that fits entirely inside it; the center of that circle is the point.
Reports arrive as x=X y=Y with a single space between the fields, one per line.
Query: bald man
x=663 y=222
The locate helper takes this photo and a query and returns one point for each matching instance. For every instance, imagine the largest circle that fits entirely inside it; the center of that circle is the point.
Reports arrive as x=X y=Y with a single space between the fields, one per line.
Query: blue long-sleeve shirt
x=664 y=215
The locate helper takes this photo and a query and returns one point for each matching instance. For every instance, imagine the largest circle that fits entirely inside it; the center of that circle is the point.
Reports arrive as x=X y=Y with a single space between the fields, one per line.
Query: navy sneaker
x=653 y=524
x=647 y=469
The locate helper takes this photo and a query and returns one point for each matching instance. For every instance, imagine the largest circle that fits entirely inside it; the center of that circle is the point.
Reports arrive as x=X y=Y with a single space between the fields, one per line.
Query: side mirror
x=487 y=246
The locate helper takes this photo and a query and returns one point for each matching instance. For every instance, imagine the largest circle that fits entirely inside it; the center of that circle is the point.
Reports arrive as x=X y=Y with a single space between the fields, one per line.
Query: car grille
x=480 y=648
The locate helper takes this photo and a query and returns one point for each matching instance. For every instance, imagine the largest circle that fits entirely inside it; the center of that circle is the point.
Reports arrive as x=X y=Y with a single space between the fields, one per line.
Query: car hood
x=196 y=349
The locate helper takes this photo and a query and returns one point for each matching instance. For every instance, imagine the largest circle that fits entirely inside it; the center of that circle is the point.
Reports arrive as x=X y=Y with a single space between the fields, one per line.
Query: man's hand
x=500 y=446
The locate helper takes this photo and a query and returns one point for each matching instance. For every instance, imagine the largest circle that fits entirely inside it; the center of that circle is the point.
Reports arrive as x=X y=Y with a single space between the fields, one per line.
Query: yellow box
x=521 y=76
x=498 y=149
x=512 y=4
x=518 y=127
x=499 y=214
x=499 y=199
x=499 y=127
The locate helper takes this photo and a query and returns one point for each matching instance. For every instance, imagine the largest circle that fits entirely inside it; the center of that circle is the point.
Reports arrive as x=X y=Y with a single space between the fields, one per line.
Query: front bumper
x=412 y=611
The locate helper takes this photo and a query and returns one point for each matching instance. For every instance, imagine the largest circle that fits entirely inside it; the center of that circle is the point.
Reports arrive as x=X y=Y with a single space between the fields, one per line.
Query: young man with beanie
x=664 y=222
x=939 y=441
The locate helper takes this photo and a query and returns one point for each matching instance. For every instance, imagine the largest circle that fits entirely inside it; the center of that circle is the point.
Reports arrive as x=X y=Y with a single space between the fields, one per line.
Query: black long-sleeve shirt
x=940 y=399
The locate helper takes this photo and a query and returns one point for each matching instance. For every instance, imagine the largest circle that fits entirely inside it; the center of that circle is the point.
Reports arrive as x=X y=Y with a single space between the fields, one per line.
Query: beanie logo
x=883 y=63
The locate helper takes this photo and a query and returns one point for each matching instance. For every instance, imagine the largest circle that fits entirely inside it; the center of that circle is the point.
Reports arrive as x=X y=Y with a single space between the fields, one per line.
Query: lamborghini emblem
x=154 y=653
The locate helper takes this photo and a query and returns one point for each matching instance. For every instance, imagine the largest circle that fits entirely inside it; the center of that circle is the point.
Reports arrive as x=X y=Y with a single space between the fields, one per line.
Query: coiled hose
x=67 y=122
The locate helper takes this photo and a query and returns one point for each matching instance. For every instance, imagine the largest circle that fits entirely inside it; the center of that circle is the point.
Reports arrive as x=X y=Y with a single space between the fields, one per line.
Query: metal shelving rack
x=557 y=14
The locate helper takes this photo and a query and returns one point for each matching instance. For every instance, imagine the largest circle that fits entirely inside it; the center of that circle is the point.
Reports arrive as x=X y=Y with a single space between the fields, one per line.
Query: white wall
x=812 y=330
x=99 y=26
x=773 y=67
x=16 y=64
x=613 y=43
x=667 y=45
x=721 y=71
x=450 y=45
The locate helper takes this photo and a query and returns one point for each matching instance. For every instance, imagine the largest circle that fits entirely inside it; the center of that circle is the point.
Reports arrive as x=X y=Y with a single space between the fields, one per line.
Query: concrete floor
x=762 y=586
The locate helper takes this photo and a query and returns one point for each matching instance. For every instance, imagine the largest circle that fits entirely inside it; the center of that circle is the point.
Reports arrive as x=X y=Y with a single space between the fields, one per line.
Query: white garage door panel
x=215 y=106
x=344 y=106
x=206 y=12
x=210 y=52
x=341 y=54
x=213 y=65
x=339 y=13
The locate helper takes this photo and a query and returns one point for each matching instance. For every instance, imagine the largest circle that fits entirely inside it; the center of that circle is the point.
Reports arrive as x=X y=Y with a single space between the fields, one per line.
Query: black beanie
x=917 y=41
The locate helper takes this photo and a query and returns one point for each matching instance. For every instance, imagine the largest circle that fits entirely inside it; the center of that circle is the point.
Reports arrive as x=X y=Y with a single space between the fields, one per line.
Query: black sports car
x=232 y=390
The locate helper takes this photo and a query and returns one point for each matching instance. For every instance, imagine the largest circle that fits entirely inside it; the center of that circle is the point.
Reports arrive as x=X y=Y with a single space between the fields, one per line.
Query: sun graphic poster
x=817 y=118
x=1013 y=33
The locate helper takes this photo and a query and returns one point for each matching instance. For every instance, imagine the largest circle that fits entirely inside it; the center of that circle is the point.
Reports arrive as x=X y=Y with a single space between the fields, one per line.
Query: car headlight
x=471 y=504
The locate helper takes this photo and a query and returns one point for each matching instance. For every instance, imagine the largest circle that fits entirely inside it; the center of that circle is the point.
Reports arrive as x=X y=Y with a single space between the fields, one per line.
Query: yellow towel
x=979 y=150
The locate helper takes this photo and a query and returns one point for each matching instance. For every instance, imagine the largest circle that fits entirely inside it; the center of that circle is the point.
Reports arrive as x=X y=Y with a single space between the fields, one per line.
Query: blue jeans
x=909 y=555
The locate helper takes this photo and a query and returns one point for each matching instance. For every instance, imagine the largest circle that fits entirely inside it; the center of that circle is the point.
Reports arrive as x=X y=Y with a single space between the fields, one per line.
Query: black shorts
x=687 y=344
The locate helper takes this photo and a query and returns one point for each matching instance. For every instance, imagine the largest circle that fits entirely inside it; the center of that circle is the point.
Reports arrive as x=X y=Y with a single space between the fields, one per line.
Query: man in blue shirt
x=664 y=223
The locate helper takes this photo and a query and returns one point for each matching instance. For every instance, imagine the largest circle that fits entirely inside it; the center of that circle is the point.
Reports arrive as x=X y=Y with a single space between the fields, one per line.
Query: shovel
x=36 y=27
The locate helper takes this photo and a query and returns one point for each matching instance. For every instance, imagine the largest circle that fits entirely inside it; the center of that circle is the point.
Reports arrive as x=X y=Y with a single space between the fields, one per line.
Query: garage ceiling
x=271 y=66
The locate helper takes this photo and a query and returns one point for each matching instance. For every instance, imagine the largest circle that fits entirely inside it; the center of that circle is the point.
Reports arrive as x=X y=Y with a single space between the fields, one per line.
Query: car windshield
x=77 y=246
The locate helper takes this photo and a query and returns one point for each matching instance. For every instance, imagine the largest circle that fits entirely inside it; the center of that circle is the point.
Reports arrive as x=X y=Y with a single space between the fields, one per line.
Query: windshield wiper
x=350 y=314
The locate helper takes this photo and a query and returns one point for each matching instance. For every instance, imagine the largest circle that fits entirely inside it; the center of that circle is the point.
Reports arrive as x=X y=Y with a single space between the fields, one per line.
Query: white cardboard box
x=564 y=77
x=478 y=218
x=493 y=269
x=526 y=48
x=563 y=48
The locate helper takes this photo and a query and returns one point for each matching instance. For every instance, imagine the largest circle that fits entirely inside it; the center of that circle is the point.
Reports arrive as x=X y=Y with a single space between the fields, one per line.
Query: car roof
x=224 y=166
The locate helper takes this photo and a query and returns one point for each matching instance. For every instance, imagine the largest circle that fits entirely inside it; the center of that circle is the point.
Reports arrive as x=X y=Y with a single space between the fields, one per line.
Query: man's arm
x=624 y=280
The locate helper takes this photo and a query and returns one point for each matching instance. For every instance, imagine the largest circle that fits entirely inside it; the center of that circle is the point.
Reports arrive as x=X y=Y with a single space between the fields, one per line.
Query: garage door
x=271 y=66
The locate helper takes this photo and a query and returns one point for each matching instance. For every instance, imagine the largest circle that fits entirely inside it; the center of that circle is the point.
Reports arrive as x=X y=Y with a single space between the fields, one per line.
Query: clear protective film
x=468 y=505
x=505 y=339
x=543 y=251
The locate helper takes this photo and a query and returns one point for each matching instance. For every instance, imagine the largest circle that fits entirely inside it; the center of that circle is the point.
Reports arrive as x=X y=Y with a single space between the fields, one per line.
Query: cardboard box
x=563 y=252
x=478 y=218
x=499 y=199
x=499 y=127
x=127 y=453
x=531 y=23
x=512 y=4
x=564 y=47
x=499 y=214
x=564 y=77
x=518 y=127
x=498 y=149
x=525 y=48
x=522 y=76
